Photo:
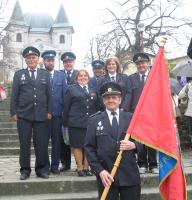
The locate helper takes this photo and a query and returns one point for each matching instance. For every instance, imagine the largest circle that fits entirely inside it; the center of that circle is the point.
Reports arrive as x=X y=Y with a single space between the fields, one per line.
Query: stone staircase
x=66 y=186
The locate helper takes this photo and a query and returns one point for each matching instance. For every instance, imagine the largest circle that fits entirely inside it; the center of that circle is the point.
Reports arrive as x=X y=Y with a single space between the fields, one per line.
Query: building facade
x=39 y=30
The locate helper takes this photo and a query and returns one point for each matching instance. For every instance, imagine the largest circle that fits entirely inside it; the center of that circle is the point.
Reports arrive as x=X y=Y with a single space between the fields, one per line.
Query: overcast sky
x=85 y=16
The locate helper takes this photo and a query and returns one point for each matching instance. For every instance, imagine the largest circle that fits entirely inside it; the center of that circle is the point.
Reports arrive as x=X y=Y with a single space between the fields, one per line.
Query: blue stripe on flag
x=166 y=164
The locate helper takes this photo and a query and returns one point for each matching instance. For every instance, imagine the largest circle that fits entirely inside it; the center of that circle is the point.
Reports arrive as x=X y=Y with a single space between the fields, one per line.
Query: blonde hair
x=82 y=70
x=113 y=58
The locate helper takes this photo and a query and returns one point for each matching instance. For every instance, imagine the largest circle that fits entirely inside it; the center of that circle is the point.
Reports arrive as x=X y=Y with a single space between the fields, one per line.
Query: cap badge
x=109 y=89
x=30 y=51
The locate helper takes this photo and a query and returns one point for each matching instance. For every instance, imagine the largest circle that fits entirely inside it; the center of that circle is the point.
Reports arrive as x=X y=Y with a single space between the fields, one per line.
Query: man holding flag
x=104 y=139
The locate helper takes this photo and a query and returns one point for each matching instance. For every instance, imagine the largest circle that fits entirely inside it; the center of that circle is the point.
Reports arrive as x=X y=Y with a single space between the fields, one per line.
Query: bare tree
x=124 y=38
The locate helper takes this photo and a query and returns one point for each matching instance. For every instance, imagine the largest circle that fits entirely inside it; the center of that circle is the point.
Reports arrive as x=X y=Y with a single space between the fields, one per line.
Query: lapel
x=38 y=75
x=81 y=90
x=108 y=77
x=137 y=80
x=26 y=72
x=55 y=77
x=106 y=122
x=73 y=76
x=118 y=78
x=28 y=76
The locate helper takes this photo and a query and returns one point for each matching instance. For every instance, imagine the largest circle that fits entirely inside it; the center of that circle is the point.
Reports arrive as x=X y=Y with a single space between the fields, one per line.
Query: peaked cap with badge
x=68 y=56
x=50 y=54
x=110 y=88
x=98 y=64
x=139 y=57
x=30 y=51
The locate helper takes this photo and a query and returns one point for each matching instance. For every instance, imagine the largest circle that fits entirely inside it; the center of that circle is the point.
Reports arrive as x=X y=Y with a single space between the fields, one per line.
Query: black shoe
x=88 y=173
x=43 y=175
x=81 y=173
x=24 y=176
x=55 y=171
x=65 y=168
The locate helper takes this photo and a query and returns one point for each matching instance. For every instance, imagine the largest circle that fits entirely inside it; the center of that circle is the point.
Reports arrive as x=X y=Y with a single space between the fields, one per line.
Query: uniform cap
x=68 y=56
x=139 y=57
x=30 y=51
x=110 y=88
x=98 y=64
x=48 y=54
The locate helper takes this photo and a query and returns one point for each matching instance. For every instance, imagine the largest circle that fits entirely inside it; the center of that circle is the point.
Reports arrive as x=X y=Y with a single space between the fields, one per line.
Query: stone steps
x=15 y=150
x=8 y=137
x=8 y=130
x=10 y=143
x=68 y=188
x=10 y=124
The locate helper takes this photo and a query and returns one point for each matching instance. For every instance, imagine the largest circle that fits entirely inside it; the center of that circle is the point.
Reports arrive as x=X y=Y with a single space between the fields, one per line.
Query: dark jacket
x=78 y=106
x=30 y=99
x=93 y=83
x=135 y=90
x=101 y=149
x=73 y=77
x=59 y=88
x=121 y=79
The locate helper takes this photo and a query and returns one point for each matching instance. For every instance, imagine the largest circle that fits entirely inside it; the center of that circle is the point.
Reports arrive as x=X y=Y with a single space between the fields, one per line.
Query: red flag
x=153 y=124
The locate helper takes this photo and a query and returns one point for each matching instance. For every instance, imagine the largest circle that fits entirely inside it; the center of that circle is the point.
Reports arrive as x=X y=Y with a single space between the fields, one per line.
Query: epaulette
x=20 y=70
x=95 y=114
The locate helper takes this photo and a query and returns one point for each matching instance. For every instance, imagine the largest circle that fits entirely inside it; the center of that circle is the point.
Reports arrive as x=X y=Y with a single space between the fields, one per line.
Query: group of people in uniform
x=95 y=112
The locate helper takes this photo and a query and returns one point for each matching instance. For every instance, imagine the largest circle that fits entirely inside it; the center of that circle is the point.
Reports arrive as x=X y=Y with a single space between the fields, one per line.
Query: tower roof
x=17 y=15
x=61 y=19
x=39 y=22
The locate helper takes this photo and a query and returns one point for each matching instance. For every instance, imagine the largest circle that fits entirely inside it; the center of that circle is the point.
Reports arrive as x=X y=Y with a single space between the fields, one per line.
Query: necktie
x=112 y=78
x=85 y=90
x=68 y=77
x=32 y=74
x=142 y=80
x=51 y=79
x=114 y=125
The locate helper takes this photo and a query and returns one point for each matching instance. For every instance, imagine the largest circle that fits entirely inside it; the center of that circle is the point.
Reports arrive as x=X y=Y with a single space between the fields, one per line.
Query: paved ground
x=9 y=167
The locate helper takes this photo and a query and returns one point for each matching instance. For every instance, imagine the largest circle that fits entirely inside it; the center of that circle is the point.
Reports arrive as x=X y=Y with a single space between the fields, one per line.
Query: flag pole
x=114 y=170
x=119 y=157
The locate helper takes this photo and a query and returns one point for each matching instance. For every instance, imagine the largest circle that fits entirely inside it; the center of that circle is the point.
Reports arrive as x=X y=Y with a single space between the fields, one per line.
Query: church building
x=39 y=30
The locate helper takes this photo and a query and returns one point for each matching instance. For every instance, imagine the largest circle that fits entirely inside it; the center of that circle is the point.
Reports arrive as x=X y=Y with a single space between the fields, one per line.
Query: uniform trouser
x=54 y=130
x=122 y=192
x=26 y=130
x=147 y=158
x=65 y=154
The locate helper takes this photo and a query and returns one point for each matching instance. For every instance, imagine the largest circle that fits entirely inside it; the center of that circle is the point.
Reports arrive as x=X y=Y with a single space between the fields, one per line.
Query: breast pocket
x=23 y=82
x=102 y=138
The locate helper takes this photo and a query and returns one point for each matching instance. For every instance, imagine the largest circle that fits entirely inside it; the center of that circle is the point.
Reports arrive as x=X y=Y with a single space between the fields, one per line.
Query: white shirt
x=146 y=74
x=83 y=86
x=70 y=72
x=35 y=72
x=113 y=75
x=52 y=73
x=111 y=116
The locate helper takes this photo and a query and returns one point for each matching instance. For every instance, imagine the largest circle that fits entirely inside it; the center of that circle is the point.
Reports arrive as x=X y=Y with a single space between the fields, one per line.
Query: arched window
x=18 y=37
x=62 y=39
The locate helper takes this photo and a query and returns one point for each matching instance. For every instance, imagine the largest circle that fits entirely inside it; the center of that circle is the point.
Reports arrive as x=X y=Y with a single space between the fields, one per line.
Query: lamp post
x=141 y=28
